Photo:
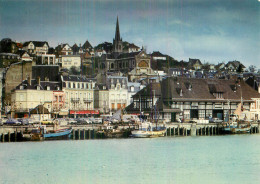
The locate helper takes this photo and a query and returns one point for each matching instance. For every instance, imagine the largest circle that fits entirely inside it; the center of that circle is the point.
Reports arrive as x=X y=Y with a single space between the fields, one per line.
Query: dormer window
x=190 y=87
x=218 y=95
x=132 y=88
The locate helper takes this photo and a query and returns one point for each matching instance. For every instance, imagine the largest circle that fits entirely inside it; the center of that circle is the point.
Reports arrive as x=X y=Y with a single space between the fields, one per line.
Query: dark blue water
x=202 y=159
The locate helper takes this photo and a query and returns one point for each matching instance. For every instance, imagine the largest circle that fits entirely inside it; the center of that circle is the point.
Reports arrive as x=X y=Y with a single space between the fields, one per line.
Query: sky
x=213 y=31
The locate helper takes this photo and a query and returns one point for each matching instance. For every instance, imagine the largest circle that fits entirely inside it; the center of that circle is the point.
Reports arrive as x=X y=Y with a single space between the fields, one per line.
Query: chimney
x=29 y=80
x=39 y=80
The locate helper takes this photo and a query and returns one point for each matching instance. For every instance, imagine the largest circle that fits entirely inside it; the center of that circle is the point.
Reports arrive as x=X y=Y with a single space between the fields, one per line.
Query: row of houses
x=176 y=98
x=70 y=95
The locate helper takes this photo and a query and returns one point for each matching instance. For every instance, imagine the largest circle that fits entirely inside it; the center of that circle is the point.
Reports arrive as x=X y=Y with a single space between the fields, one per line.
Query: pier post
x=201 y=131
x=3 y=137
x=255 y=130
x=94 y=134
x=173 y=131
x=186 y=131
x=193 y=129
x=215 y=130
x=183 y=129
x=9 y=136
x=170 y=131
x=84 y=134
x=79 y=133
x=205 y=130
x=73 y=134
x=166 y=133
x=178 y=130
x=212 y=129
x=89 y=134
x=15 y=135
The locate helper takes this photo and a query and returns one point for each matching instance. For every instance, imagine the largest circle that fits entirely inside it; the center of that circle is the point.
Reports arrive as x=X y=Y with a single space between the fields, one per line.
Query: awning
x=84 y=112
x=64 y=113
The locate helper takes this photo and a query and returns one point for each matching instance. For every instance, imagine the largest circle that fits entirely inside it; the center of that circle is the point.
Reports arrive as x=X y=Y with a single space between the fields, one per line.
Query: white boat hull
x=147 y=134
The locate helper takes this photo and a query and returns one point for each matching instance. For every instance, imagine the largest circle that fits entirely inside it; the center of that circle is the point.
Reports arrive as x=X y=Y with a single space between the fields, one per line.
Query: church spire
x=117 y=42
x=117 y=34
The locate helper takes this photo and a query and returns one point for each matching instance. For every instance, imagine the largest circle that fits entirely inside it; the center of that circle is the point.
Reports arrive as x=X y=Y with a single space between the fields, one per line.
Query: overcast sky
x=210 y=30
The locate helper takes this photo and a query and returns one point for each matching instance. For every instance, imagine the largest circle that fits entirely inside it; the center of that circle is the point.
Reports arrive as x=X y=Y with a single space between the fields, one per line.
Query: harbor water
x=202 y=159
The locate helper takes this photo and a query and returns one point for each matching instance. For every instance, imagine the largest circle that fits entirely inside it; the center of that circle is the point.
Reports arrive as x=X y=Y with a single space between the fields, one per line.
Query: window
x=202 y=114
x=218 y=95
x=21 y=97
x=113 y=106
x=208 y=113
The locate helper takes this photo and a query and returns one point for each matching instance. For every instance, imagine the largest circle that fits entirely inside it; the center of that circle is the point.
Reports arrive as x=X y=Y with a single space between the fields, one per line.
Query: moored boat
x=146 y=130
x=39 y=133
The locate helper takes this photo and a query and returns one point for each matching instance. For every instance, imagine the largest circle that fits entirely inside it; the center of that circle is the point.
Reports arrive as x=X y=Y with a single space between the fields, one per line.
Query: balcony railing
x=74 y=100
x=87 y=100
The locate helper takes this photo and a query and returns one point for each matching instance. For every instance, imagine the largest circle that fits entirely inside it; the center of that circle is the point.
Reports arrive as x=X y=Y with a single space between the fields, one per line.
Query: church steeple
x=117 y=42
x=117 y=35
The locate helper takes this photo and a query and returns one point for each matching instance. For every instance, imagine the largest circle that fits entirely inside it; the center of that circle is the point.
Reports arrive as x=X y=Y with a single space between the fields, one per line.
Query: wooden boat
x=57 y=134
x=39 y=133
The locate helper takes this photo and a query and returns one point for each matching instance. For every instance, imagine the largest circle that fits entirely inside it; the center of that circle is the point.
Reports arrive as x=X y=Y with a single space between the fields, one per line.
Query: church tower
x=117 y=42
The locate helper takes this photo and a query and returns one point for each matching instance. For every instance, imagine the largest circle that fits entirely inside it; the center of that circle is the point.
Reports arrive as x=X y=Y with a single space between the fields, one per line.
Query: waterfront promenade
x=82 y=132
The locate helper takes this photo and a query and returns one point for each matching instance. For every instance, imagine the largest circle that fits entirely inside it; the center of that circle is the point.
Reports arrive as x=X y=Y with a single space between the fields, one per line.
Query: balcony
x=74 y=100
x=87 y=100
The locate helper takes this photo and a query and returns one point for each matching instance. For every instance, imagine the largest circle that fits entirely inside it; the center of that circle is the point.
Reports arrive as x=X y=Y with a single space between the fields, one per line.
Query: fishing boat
x=39 y=133
x=57 y=134
x=147 y=129
x=233 y=124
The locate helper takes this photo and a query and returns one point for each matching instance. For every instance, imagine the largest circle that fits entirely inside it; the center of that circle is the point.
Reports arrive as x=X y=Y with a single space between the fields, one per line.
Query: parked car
x=12 y=122
x=98 y=120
